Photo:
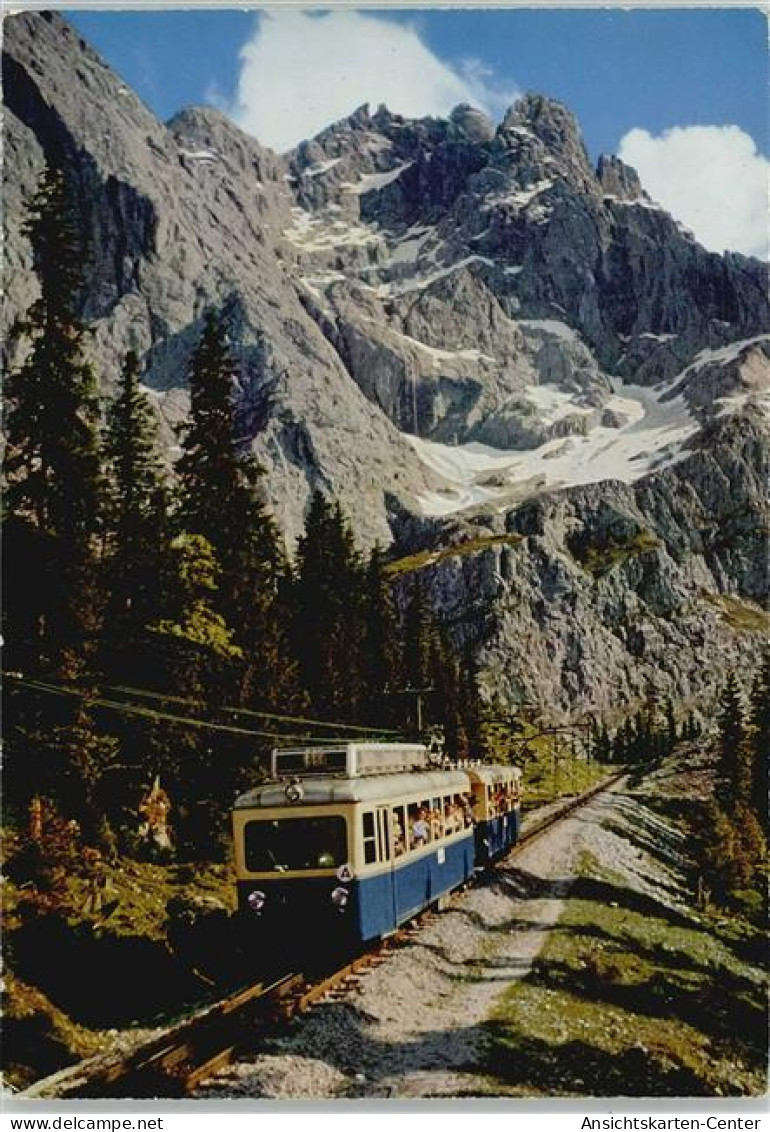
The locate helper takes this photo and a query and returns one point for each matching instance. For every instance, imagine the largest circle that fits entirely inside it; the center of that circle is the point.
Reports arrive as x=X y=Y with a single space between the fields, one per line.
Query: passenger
x=436 y=825
x=420 y=829
x=467 y=810
x=450 y=824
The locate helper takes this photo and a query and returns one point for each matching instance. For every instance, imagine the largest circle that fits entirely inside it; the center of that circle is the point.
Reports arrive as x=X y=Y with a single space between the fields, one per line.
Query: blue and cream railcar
x=357 y=841
x=496 y=810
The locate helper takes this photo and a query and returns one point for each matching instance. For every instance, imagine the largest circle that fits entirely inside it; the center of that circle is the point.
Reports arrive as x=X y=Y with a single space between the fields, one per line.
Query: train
x=346 y=843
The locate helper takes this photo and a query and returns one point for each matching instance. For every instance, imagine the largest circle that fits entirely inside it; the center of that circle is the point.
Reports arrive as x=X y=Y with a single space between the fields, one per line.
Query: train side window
x=370 y=839
x=418 y=825
x=398 y=823
x=436 y=818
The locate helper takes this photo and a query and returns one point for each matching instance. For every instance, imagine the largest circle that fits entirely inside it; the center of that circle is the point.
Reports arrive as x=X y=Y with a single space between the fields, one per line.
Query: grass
x=37 y=1034
x=600 y=559
x=74 y=972
x=741 y=615
x=135 y=896
x=630 y=998
x=546 y=780
x=424 y=558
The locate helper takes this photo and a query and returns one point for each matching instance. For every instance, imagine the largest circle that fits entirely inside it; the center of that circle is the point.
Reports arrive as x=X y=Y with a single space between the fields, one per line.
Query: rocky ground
x=498 y=993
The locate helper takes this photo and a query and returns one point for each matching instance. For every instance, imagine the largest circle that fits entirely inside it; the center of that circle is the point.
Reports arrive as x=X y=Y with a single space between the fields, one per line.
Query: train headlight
x=294 y=792
x=340 y=897
x=256 y=901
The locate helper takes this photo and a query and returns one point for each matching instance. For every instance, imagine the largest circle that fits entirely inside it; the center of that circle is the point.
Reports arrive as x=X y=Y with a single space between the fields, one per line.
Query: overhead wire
x=147 y=694
x=153 y=714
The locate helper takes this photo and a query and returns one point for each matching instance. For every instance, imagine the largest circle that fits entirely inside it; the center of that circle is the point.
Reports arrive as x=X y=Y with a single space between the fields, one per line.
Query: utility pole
x=418 y=693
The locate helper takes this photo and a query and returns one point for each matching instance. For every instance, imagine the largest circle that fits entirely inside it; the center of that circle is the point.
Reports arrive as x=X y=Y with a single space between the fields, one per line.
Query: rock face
x=463 y=331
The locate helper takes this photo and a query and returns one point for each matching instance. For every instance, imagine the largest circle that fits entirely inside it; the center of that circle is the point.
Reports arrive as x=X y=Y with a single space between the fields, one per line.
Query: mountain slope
x=460 y=330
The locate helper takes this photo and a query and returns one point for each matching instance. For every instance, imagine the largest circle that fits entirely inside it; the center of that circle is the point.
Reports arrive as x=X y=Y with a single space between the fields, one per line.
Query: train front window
x=295 y=844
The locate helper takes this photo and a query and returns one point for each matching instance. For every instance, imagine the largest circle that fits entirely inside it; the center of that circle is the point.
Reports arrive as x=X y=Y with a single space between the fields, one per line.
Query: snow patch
x=206 y=156
x=465 y=355
x=554 y=403
x=321 y=167
x=653 y=437
x=520 y=198
x=727 y=353
x=407 y=249
x=317 y=233
x=374 y=181
x=550 y=326
x=426 y=280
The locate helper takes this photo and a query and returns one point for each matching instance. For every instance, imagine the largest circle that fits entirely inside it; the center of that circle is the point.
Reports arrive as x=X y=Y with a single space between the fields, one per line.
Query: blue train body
x=344 y=858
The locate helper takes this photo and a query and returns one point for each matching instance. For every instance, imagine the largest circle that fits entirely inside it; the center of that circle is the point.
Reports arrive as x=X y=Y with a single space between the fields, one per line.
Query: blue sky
x=672 y=90
x=617 y=70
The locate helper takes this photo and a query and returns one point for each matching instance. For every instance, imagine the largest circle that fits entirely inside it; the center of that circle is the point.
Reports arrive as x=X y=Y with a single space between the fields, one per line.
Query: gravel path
x=413 y=1025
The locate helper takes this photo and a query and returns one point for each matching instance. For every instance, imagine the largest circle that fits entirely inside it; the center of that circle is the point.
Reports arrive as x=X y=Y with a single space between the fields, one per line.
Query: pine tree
x=137 y=521
x=379 y=654
x=671 y=734
x=219 y=500
x=444 y=676
x=760 y=739
x=328 y=604
x=218 y=479
x=417 y=635
x=52 y=464
x=193 y=619
x=732 y=768
x=471 y=709
x=192 y=654
x=691 y=728
x=602 y=745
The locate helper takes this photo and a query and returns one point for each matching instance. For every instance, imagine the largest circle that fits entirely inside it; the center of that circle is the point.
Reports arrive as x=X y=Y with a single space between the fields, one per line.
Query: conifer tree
x=379 y=655
x=192 y=653
x=444 y=676
x=328 y=621
x=54 y=508
x=218 y=479
x=671 y=731
x=760 y=740
x=470 y=704
x=219 y=499
x=137 y=519
x=52 y=463
x=732 y=769
x=601 y=743
x=416 y=661
x=192 y=617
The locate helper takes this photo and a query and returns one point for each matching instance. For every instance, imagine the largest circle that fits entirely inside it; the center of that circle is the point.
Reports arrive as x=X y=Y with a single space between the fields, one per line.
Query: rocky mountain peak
x=554 y=126
x=618 y=179
x=439 y=324
x=472 y=124
x=204 y=134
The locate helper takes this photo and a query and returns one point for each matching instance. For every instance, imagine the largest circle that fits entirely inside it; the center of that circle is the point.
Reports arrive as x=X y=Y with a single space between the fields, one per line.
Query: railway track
x=175 y=1063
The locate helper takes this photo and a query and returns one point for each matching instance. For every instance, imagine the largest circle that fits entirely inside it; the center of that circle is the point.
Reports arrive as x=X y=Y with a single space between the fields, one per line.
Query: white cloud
x=711 y=178
x=300 y=72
